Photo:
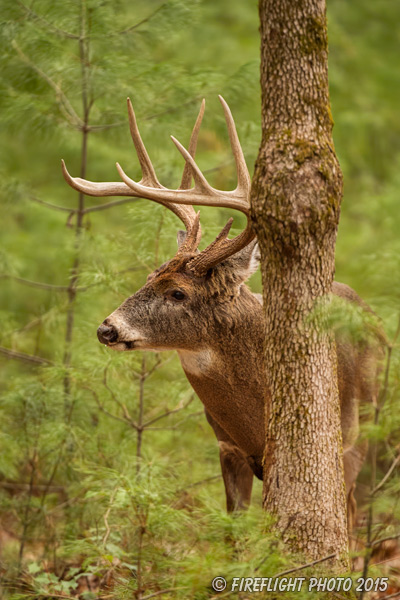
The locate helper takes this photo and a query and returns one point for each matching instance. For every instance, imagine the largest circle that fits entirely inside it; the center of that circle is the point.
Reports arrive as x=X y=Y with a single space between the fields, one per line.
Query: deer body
x=218 y=332
x=198 y=304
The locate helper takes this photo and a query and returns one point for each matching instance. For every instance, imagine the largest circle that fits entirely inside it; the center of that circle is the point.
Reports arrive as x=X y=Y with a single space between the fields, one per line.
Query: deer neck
x=227 y=374
x=236 y=334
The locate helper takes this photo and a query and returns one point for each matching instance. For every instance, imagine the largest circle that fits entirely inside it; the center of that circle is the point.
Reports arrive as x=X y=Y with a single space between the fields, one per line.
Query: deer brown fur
x=199 y=305
x=218 y=332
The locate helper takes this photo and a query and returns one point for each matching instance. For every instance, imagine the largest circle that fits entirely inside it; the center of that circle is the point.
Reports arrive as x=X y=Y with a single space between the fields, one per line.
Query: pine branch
x=73 y=211
x=54 y=206
x=13 y=354
x=169 y=412
x=310 y=564
x=173 y=109
x=106 y=126
x=12 y=485
x=385 y=539
x=197 y=483
x=61 y=288
x=145 y=20
x=62 y=100
x=36 y=284
x=53 y=28
x=177 y=425
x=108 y=205
x=388 y=474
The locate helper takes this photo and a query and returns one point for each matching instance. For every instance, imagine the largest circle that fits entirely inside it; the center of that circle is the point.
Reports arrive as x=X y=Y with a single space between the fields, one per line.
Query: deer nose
x=107 y=333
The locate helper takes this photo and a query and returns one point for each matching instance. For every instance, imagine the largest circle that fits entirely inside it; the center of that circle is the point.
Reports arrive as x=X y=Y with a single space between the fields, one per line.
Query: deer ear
x=244 y=263
x=181 y=237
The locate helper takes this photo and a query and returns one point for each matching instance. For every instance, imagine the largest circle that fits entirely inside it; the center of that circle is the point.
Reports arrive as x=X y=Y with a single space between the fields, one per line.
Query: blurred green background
x=82 y=490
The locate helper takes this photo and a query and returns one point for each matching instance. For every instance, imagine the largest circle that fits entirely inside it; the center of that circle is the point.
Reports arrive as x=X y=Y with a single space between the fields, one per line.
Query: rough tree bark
x=296 y=194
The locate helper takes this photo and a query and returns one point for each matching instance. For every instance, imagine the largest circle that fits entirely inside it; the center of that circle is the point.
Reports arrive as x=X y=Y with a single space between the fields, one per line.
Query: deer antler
x=186 y=214
x=181 y=201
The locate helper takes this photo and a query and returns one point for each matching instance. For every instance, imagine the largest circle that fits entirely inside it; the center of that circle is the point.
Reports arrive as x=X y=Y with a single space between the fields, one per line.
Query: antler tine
x=181 y=200
x=244 y=181
x=186 y=214
x=221 y=249
x=187 y=172
x=193 y=237
x=148 y=173
x=94 y=188
x=194 y=233
x=201 y=183
x=204 y=194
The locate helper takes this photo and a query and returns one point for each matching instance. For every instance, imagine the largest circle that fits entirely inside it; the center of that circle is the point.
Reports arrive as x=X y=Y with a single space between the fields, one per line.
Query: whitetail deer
x=198 y=304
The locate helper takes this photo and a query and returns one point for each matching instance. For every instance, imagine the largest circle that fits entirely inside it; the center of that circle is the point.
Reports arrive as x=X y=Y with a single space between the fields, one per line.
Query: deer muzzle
x=107 y=334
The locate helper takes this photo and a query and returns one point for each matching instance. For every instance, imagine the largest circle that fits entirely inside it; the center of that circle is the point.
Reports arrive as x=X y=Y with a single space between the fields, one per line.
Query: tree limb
x=36 y=284
x=145 y=20
x=50 y=26
x=54 y=206
x=62 y=100
x=310 y=564
x=169 y=412
x=385 y=539
x=108 y=205
x=388 y=474
x=38 y=360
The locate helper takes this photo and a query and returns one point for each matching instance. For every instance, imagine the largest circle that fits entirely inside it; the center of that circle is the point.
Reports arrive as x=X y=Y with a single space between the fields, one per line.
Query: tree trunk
x=296 y=194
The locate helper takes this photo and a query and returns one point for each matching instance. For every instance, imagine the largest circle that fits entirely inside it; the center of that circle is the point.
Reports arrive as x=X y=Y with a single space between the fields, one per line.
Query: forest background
x=109 y=473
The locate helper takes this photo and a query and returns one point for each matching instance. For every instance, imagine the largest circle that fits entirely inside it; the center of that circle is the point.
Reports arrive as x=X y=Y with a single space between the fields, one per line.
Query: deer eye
x=178 y=295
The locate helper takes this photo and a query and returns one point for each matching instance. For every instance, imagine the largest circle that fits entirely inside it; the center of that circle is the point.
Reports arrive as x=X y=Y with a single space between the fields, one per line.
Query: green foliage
x=109 y=474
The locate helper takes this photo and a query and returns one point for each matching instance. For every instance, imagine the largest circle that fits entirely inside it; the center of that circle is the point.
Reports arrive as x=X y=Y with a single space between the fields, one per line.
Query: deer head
x=172 y=311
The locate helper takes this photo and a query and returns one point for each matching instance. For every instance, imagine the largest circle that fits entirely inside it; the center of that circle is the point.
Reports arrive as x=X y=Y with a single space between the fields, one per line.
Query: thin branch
x=11 y=485
x=388 y=474
x=169 y=412
x=173 y=109
x=68 y=502
x=385 y=539
x=177 y=425
x=106 y=412
x=311 y=564
x=145 y=20
x=106 y=126
x=62 y=288
x=36 y=284
x=53 y=206
x=108 y=205
x=197 y=483
x=127 y=417
x=38 y=360
x=62 y=100
x=29 y=325
x=73 y=211
x=50 y=26
x=150 y=372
